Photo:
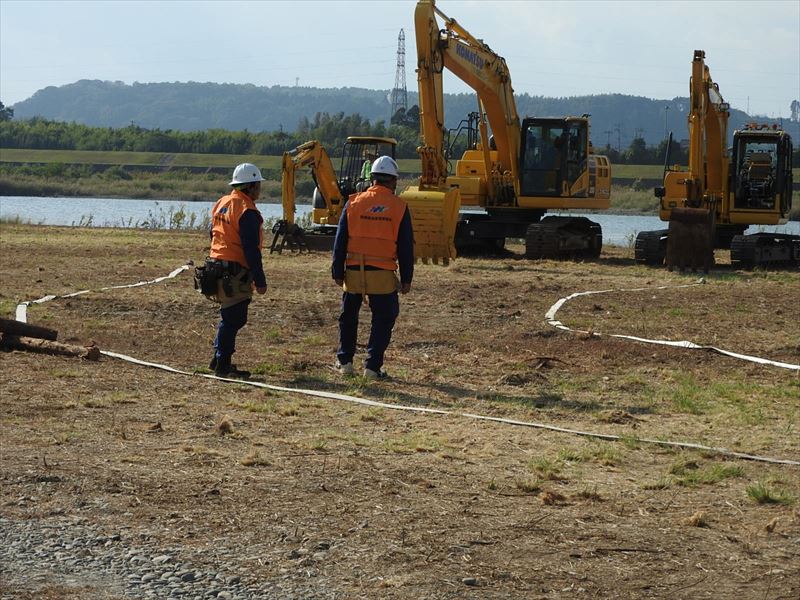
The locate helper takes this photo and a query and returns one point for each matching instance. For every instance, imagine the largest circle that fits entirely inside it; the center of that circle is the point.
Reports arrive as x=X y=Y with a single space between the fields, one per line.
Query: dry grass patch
x=202 y=451
x=255 y=458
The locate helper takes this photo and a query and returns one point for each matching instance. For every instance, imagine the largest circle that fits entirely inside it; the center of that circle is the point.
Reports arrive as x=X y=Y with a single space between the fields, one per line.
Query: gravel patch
x=74 y=554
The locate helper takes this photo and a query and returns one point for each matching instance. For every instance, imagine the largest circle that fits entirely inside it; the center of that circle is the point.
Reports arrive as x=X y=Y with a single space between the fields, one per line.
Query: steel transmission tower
x=399 y=96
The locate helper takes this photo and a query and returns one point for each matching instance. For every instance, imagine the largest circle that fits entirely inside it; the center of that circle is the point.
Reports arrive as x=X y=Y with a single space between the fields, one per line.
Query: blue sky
x=552 y=48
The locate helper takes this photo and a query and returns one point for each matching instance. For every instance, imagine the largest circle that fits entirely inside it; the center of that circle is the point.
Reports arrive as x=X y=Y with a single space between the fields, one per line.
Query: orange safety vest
x=373 y=221
x=226 y=244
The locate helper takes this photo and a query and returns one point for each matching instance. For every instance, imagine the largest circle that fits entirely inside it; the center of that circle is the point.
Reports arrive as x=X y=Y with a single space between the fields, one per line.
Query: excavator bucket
x=690 y=242
x=434 y=214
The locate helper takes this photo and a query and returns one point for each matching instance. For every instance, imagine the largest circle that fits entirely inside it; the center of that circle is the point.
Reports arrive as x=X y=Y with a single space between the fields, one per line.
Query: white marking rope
x=22 y=316
x=550 y=317
x=22 y=309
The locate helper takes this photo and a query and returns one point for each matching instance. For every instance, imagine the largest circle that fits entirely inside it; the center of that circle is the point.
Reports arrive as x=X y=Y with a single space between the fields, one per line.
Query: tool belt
x=359 y=280
x=223 y=280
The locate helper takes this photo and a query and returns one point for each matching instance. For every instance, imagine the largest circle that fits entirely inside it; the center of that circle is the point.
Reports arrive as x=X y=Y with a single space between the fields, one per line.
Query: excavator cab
x=358 y=154
x=761 y=170
x=542 y=161
x=331 y=190
x=556 y=160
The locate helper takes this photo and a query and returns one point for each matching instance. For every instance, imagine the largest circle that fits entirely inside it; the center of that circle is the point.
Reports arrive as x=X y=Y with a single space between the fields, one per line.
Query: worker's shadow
x=390 y=391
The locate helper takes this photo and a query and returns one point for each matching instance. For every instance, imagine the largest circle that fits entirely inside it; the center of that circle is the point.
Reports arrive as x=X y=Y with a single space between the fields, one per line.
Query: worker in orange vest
x=237 y=237
x=374 y=238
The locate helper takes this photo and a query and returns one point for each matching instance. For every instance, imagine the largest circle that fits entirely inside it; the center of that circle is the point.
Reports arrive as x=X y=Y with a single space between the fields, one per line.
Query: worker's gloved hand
x=405 y=288
x=261 y=290
x=339 y=282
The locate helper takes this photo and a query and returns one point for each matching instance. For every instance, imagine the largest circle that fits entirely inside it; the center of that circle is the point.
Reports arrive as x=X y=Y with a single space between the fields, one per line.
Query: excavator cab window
x=757 y=173
x=544 y=152
x=357 y=158
x=577 y=136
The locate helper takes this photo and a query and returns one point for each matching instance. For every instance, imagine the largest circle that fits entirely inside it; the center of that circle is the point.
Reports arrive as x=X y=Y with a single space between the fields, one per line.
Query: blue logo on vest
x=377 y=209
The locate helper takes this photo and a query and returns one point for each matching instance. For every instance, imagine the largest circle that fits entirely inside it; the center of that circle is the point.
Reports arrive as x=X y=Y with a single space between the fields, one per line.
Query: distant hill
x=192 y=106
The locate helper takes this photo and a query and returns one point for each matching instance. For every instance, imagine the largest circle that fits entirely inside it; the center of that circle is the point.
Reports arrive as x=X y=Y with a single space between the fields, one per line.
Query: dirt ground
x=364 y=502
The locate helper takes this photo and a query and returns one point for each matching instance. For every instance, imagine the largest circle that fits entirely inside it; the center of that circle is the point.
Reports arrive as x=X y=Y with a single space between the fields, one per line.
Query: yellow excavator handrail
x=310 y=154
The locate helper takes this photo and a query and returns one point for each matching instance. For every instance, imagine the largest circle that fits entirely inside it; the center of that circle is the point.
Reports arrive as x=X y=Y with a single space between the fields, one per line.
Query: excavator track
x=765 y=249
x=564 y=237
x=651 y=247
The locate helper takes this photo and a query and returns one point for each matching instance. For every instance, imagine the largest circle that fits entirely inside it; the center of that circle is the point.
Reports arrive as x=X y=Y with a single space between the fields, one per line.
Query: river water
x=618 y=230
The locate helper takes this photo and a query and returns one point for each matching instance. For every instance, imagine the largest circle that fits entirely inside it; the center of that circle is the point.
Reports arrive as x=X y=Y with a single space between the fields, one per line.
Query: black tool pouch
x=227 y=285
x=206 y=277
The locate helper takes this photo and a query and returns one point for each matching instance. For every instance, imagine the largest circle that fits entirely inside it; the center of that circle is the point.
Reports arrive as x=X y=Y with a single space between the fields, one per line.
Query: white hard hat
x=246 y=173
x=385 y=165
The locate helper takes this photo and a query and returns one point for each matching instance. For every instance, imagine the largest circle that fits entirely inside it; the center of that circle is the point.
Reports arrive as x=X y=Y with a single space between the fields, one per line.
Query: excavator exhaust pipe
x=434 y=214
x=690 y=243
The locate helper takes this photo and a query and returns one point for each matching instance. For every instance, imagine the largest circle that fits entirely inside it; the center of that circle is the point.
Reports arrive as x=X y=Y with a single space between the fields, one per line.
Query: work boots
x=223 y=368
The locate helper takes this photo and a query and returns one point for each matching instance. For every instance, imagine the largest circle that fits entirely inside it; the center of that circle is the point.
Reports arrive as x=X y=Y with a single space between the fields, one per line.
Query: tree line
x=330 y=129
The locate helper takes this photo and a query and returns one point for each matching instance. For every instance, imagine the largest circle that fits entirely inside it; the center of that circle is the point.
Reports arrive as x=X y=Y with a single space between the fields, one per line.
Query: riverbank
x=207 y=188
x=185 y=186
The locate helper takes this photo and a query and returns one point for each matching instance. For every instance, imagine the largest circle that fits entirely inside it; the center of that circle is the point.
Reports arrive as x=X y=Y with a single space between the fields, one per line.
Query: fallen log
x=12 y=327
x=30 y=344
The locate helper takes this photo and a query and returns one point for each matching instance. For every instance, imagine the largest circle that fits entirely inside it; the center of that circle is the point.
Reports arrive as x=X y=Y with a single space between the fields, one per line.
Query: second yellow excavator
x=711 y=203
x=509 y=179
x=331 y=191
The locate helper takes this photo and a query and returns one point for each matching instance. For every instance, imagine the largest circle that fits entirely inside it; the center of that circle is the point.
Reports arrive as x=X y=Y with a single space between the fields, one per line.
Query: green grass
x=100 y=157
x=735 y=398
x=766 y=494
x=546 y=468
x=637 y=171
x=633 y=199
x=103 y=157
x=269 y=368
x=690 y=474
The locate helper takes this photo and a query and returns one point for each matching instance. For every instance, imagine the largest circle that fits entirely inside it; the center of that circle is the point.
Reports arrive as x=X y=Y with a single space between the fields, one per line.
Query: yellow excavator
x=508 y=180
x=331 y=191
x=712 y=202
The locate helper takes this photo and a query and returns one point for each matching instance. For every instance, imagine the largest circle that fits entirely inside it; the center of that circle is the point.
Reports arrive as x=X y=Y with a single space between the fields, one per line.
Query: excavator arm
x=453 y=48
x=434 y=204
x=708 y=129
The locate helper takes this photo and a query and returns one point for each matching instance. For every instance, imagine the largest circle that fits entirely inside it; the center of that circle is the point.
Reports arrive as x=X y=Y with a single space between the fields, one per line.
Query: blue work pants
x=385 y=308
x=232 y=319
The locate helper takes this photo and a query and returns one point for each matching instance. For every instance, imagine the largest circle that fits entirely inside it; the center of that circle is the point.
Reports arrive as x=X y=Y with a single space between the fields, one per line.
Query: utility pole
x=638 y=132
x=608 y=133
x=666 y=112
x=618 y=129
x=399 y=92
